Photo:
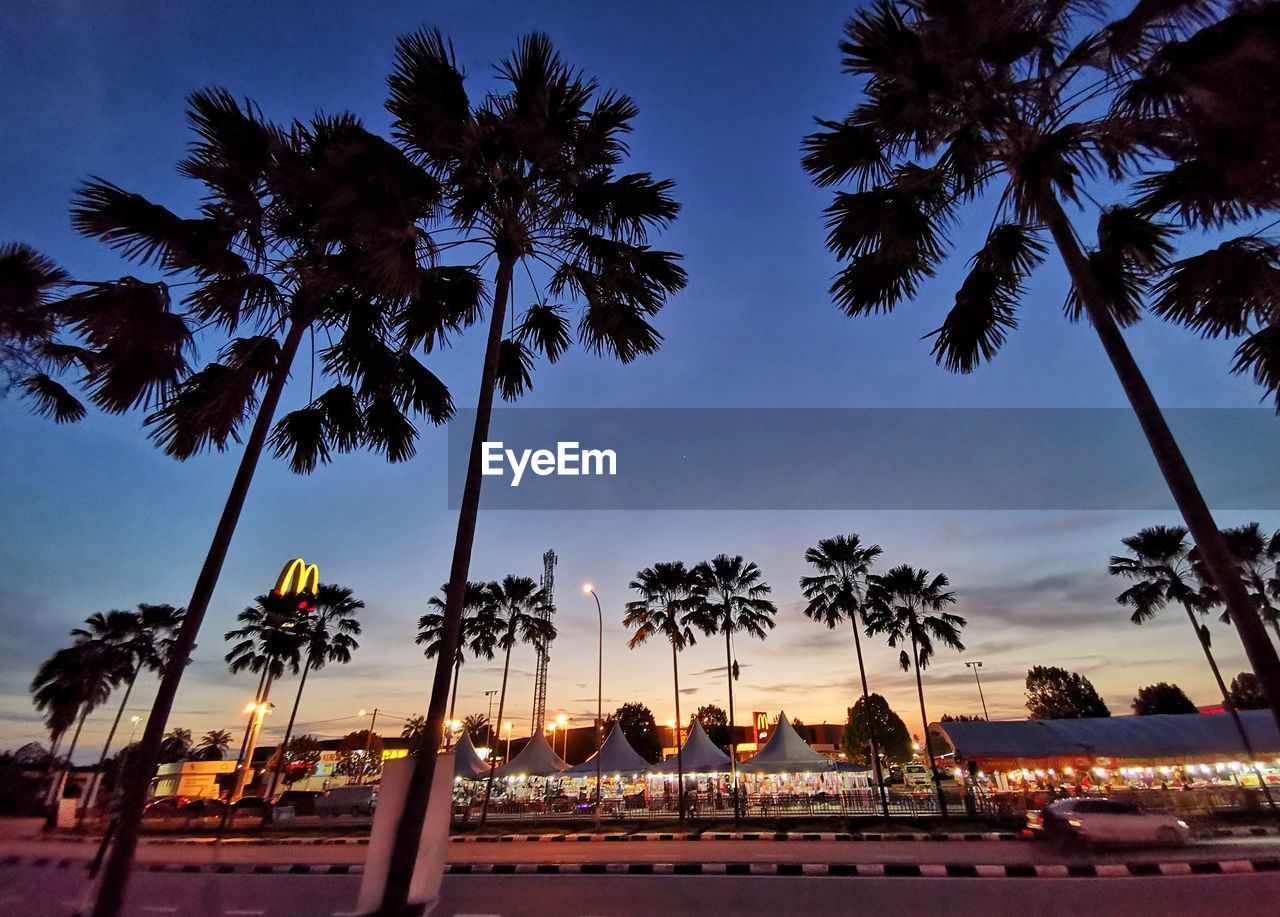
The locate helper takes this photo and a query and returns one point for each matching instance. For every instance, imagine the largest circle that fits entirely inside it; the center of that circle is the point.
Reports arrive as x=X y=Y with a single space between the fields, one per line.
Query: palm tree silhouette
x=966 y=98
x=328 y=634
x=531 y=176
x=517 y=603
x=837 y=593
x=729 y=597
x=665 y=610
x=479 y=634
x=213 y=745
x=900 y=603
x=1258 y=559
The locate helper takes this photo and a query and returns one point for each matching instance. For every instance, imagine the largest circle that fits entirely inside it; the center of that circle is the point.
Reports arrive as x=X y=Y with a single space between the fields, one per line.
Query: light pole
x=257 y=712
x=506 y=727
x=493 y=735
x=562 y=721
x=588 y=589
x=975 y=666
x=368 y=744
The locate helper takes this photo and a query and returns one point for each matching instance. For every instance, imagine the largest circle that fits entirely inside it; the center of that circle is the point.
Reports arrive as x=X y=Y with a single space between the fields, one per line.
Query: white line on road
x=243 y=913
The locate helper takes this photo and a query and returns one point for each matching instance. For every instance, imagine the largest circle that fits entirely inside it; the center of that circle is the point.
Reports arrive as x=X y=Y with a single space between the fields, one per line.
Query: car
x=203 y=807
x=1105 y=821
x=165 y=807
x=250 y=805
x=303 y=802
x=917 y=775
x=348 y=800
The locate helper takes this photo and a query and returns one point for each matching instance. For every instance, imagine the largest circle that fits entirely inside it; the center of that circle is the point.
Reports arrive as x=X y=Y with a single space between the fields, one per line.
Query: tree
x=327 y=633
x=319 y=227
x=476 y=726
x=517 y=603
x=894 y=739
x=300 y=762
x=716 y=724
x=359 y=756
x=1258 y=558
x=729 y=597
x=899 y=605
x=795 y=721
x=531 y=177
x=962 y=718
x=213 y=746
x=176 y=746
x=1161 y=697
x=479 y=634
x=31 y=328
x=637 y=724
x=665 y=609
x=413 y=730
x=964 y=99
x=1246 y=692
x=837 y=593
x=1054 y=693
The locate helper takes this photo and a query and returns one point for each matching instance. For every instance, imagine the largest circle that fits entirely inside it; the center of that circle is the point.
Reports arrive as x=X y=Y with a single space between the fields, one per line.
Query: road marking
x=158 y=909
x=243 y=913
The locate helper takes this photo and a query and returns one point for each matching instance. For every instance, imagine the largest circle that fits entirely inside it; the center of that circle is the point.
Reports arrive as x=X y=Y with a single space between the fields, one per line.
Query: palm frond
x=428 y=102
x=52 y=399
x=844 y=150
x=515 y=369
x=545 y=329
x=1259 y=356
x=447 y=299
x=1220 y=292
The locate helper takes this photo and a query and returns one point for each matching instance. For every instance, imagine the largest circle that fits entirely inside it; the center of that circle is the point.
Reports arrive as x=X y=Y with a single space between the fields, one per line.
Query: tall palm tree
x=1258 y=559
x=967 y=98
x=413 y=730
x=729 y=596
x=905 y=605
x=1161 y=564
x=479 y=634
x=213 y=745
x=314 y=231
x=328 y=634
x=517 y=604
x=664 y=609
x=837 y=593
x=531 y=173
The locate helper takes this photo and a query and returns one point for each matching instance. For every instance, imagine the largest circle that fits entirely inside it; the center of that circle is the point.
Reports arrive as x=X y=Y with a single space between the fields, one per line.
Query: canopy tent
x=1173 y=736
x=786 y=752
x=616 y=757
x=536 y=759
x=467 y=764
x=699 y=755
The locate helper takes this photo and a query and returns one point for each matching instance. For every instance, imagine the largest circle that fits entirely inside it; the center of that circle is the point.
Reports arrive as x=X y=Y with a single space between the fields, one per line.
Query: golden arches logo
x=298 y=577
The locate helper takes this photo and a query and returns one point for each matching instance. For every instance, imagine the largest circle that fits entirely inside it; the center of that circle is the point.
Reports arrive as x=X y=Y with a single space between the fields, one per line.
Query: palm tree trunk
x=55 y=791
x=493 y=762
x=409 y=827
x=1222 y=568
x=733 y=732
x=95 y=781
x=924 y=718
x=871 y=720
x=675 y=667
x=1227 y=702
x=288 y=733
x=141 y=766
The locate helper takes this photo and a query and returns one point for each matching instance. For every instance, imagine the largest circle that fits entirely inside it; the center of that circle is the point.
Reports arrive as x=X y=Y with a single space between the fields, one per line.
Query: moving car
x=303 y=802
x=348 y=800
x=1106 y=822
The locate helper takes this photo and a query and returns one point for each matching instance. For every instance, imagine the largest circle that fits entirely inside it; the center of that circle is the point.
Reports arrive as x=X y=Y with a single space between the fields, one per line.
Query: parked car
x=303 y=802
x=917 y=775
x=165 y=807
x=251 y=805
x=347 y=800
x=203 y=807
x=1105 y=821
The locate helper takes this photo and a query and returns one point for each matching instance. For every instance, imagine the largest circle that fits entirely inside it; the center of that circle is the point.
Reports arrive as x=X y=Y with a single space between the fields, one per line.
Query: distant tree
x=962 y=718
x=640 y=729
x=892 y=737
x=31 y=755
x=300 y=761
x=1161 y=697
x=414 y=728
x=212 y=746
x=175 y=746
x=716 y=723
x=1246 y=692
x=476 y=726
x=353 y=762
x=795 y=721
x=1054 y=693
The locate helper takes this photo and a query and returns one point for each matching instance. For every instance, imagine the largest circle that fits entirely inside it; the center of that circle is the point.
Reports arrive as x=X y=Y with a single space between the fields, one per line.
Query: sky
x=96 y=518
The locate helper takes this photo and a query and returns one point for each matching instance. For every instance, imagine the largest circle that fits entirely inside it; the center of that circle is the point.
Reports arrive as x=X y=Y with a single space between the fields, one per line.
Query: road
x=33 y=892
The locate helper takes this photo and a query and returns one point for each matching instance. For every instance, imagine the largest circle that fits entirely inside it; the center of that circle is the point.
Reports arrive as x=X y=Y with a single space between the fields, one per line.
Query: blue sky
x=97 y=518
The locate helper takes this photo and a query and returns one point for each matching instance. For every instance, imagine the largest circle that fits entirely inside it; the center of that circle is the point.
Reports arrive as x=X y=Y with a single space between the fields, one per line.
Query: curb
x=733 y=836
x=295 y=869
x=875 y=870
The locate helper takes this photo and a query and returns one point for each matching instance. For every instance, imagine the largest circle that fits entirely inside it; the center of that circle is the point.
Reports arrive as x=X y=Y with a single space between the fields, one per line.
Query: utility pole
x=975 y=666
x=368 y=743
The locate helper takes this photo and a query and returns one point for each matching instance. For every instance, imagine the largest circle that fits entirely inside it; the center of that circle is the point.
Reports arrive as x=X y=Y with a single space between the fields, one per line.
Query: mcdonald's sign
x=298 y=578
x=761 y=721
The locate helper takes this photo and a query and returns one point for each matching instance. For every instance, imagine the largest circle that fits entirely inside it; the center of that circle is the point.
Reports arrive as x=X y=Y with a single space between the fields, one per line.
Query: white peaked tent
x=786 y=753
x=616 y=757
x=698 y=754
x=536 y=759
x=467 y=764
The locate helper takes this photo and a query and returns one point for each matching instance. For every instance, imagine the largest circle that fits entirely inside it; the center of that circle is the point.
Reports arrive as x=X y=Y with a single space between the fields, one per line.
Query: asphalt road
x=36 y=892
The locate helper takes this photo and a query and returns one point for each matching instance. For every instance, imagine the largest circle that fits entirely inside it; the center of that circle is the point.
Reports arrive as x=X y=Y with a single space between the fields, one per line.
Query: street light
x=506 y=727
x=562 y=721
x=588 y=589
x=975 y=666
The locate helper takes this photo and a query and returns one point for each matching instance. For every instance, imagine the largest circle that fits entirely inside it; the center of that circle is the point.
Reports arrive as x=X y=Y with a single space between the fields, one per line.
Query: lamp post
x=257 y=712
x=975 y=666
x=506 y=727
x=493 y=735
x=588 y=589
x=562 y=722
x=368 y=744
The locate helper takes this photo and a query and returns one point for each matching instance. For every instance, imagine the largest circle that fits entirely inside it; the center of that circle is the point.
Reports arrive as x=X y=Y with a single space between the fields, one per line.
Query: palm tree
x=413 y=728
x=664 y=609
x=966 y=98
x=213 y=745
x=1161 y=564
x=1258 y=559
x=728 y=597
x=837 y=593
x=899 y=607
x=175 y=746
x=314 y=230
x=531 y=175
x=476 y=726
x=517 y=604
x=328 y=634
x=479 y=634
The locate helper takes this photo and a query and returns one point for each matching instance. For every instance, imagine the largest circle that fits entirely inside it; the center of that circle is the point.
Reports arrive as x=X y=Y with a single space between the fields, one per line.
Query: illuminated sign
x=762 y=725
x=298 y=578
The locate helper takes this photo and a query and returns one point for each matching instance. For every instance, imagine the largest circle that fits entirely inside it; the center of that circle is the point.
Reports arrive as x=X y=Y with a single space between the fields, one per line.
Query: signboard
x=761 y=721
